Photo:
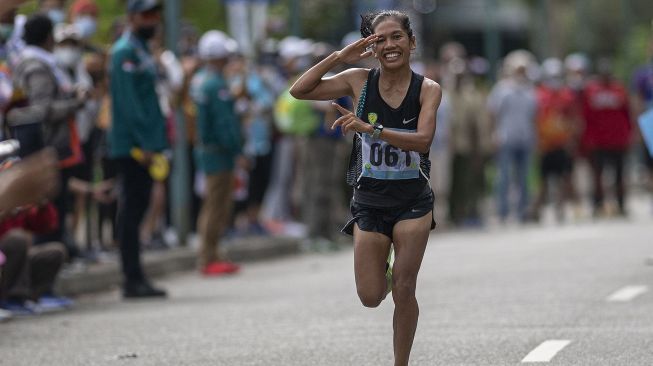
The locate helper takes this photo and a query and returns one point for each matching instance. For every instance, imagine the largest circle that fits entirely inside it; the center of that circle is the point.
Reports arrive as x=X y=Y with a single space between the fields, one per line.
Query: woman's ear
x=413 y=43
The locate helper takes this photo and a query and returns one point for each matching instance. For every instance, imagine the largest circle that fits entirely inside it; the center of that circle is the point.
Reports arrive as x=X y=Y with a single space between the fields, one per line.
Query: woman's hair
x=369 y=21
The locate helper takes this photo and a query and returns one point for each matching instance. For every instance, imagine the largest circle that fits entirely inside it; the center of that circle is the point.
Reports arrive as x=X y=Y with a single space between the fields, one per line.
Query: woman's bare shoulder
x=356 y=77
x=431 y=90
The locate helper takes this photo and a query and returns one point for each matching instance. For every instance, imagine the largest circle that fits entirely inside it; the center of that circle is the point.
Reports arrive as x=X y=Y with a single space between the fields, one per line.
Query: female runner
x=389 y=168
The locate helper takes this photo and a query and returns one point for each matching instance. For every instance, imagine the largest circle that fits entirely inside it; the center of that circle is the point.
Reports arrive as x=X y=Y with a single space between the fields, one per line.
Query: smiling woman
x=389 y=168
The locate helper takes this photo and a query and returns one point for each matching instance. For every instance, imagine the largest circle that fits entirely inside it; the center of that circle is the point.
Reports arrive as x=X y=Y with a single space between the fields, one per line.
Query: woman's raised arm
x=312 y=84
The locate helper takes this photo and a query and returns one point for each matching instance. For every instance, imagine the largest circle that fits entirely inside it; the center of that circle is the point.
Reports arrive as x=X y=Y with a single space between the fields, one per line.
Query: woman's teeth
x=392 y=56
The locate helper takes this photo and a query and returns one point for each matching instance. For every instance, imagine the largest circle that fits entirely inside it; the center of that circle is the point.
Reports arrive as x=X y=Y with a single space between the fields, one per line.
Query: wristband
x=378 y=128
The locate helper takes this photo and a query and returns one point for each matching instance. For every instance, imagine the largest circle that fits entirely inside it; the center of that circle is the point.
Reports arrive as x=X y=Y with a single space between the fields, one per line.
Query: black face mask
x=146 y=33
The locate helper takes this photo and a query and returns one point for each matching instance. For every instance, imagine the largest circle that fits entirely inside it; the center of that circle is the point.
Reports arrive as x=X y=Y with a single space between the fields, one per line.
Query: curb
x=157 y=264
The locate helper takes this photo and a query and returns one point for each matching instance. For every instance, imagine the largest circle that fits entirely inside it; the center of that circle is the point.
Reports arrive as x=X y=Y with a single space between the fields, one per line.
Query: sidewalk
x=106 y=276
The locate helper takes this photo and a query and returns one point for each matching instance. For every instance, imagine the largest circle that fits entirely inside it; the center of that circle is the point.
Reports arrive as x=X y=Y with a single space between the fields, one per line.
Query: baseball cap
x=215 y=44
x=64 y=32
x=140 y=6
x=85 y=6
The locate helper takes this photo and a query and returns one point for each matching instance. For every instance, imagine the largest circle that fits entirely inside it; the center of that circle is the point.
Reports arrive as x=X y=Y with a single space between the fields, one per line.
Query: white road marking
x=627 y=293
x=546 y=351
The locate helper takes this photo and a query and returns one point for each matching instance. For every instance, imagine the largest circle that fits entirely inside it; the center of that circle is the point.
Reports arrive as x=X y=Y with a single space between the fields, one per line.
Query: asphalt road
x=492 y=297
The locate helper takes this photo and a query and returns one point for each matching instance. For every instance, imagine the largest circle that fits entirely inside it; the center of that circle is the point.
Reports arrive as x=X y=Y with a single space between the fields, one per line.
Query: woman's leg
x=410 y=238
x=370 y=255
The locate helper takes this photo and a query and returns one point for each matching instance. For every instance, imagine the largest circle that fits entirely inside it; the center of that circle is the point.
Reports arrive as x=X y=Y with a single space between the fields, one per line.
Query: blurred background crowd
x=538 y=122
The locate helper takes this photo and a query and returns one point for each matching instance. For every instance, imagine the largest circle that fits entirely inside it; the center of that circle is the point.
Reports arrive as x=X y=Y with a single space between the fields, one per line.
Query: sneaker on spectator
x=220 y=268
x=5 y=315
x=51 y=304
x=142 y=290
x=257 y=229
x=19 y=309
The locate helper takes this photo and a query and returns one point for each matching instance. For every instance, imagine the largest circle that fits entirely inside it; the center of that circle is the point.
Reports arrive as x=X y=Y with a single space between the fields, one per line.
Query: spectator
x=137 y=123
x=170 y=82
x=469 y=143
x=608 y=133
x=46 y=116
x=6 y=81
x=643 y=89
x=513 y=106
x=256 y=106
x=218 y=146
x=558 y=127
x=54 y=9
x=84 y=16
x=28 y=273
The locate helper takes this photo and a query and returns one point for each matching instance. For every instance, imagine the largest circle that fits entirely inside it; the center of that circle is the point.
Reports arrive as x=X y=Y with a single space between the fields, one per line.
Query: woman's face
x=393 y=45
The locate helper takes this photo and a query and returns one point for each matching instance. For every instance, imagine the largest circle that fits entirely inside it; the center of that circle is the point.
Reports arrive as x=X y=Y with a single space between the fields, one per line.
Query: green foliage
x=633 y=52
x=205 y=14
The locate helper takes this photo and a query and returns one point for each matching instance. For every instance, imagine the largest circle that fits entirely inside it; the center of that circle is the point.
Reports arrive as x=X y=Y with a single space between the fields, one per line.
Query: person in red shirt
x=557 y=134
x=608 y=132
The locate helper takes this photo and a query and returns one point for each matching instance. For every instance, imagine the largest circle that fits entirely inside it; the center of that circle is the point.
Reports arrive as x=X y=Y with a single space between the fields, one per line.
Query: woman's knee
x=370 y=298
x=403 y=290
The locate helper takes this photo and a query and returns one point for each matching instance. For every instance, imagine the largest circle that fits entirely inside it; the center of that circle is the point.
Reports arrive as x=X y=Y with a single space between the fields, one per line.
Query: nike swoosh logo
x=409 y=121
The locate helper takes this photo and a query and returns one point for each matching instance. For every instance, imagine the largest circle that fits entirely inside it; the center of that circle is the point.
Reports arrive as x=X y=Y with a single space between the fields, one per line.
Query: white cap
x=552 y=68
x=518 y=59
x=293 y=47
x=216 y=45
x=577 y=62
x=63 y=32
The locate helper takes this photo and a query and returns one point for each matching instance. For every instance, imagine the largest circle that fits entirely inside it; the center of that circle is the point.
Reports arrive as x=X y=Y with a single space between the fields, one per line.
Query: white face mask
x=86 y=25
x=68 y=56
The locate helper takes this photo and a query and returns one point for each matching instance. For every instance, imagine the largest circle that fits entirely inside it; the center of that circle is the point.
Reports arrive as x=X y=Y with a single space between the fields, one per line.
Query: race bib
x=384 y=161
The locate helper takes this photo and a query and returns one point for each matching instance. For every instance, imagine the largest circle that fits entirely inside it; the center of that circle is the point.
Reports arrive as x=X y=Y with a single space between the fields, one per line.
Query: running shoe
x=220 y=268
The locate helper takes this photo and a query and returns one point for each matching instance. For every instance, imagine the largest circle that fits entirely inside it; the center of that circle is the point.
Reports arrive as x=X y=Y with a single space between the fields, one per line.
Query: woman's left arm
x=419 y=141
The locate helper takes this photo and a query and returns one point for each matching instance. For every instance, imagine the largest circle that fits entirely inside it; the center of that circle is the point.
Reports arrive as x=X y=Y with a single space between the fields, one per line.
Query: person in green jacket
x=138 y=125
x=218 y=147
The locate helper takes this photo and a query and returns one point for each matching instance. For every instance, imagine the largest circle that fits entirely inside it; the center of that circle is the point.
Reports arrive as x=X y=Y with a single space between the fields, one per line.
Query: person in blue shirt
x=219 y=144
x=137 y=124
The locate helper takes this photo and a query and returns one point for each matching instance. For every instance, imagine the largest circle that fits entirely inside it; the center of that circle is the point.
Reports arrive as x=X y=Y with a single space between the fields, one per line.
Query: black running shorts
x=383 y=220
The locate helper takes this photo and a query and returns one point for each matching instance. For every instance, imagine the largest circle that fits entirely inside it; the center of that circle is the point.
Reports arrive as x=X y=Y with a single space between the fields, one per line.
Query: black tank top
x=384 y=175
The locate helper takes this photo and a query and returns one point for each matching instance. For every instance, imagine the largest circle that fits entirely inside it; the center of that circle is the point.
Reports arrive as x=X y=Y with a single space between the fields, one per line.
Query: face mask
x=5 y=31
x=68 y=56
x=57 y=16
x=146 y=33
x=86 y=25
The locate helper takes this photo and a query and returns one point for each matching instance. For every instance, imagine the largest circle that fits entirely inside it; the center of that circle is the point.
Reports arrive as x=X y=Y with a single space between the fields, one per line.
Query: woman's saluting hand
x=358 y=50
